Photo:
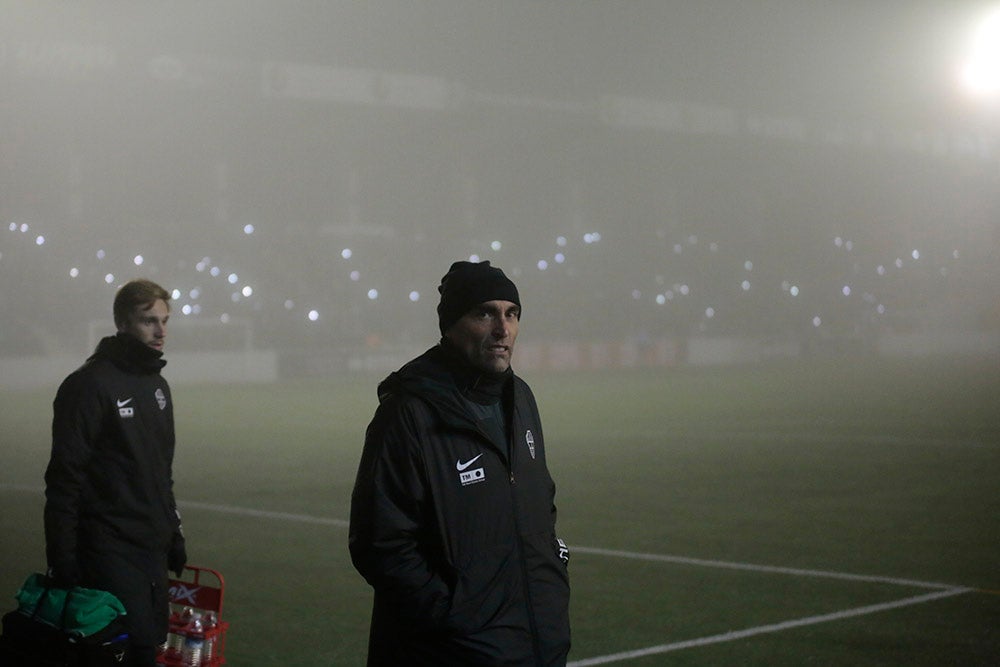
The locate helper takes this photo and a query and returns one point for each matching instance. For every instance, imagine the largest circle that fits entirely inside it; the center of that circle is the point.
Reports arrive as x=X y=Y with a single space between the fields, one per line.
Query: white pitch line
x=265 y=514
x=765 y=629
x=750 y=567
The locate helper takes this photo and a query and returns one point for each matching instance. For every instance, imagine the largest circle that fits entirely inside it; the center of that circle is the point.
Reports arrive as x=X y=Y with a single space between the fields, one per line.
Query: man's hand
x=177 y=556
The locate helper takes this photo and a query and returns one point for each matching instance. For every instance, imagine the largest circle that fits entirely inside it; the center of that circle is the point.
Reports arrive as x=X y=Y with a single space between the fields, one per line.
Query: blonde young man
x=111 y=522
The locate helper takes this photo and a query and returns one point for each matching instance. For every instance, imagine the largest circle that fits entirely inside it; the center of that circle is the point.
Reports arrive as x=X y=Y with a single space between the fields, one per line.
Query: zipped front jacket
x=110 y=512
x=455 y=528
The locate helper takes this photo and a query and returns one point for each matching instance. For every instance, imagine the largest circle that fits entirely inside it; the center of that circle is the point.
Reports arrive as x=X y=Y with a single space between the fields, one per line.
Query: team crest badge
x=530 y=439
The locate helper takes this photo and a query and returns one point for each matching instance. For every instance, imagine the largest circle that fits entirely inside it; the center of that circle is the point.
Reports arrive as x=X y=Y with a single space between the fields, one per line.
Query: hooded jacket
x=454 y=528
x=110 y=513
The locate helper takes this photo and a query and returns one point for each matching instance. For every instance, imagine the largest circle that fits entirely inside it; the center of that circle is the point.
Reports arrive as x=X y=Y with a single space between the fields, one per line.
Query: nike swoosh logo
x=462 y=466
x=124 y=403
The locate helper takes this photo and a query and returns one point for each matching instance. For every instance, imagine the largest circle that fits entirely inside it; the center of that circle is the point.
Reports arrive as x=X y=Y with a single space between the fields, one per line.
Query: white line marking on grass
x=765 y=629
x=701 y=562
x=265 y=514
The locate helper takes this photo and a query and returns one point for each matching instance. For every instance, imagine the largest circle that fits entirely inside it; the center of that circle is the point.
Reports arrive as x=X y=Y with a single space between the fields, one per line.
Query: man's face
x=485 y=335
x=149 y=324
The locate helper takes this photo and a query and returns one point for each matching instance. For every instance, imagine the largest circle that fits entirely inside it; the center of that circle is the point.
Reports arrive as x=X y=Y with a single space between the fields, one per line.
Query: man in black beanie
x=453 y=513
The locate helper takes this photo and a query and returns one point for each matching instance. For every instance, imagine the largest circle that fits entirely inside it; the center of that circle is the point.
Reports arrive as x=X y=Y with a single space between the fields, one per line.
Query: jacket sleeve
x=76 y=424
x=389 y=517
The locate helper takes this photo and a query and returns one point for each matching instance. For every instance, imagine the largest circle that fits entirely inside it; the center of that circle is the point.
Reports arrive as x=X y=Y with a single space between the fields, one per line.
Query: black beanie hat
x=469 y=284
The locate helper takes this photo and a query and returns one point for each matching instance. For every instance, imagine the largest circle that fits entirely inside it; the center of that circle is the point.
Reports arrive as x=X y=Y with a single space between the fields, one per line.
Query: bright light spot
x=817 y=321
x=880 y=309
x=313 y=315
x=474 y=258
x=200 y=266
x=248 y=229
x=794 y=290
x=693 y=240
x=224 y=318
x=542 y=265
x=915 y=254
x=710 y=312
x=138 y=260
x=560 y=258
x=196 y=309
x=713 y=247
x=880 y=270
x=678 y=248
x=289 y=304
x=109 y=278
x=561 y=241
x=100 y=254
x=414 y=296
x=175 y=294
x=24 y=227
x=215 y=272
x=748 y=265
x=588 y=238
x=849 y=245
x=247 y=290
x=235 y=297
x=981 y=72
x=12 y=227
x=839 y=242
x=39 y=240
x=355 y=276
x=745 y=285
x=954 y=254
x=661 y=299
x=898 y=263
x=346 y=253
x=496 y=245
x=74 y=272
x=685 y=290
x=194 y=294
x=669 y=294
x=233 y=278
x=846 y=290
x=373 y=294
x=636 y=294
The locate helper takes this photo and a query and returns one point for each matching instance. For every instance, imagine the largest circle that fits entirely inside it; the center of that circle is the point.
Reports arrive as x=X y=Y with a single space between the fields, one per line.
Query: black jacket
x=109 y=482
x=454 y=529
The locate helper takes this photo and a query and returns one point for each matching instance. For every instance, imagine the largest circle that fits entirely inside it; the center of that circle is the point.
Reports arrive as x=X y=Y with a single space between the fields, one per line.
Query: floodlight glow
x=474 y=258
x=542 y=265
x=12 y=227
x=561 y=241
x=817 y=321
x=373 y=294
x=880 y=270
x=24 y=227
x=138 y=260
x=710 y=312
x=496 y=245
x=39 y=240
x=233 y=278
x=748 y=265
x=661 y=299
x=636 y=294
x=289 y=304
x=678 y=248
x=560 y=258
x=355 y=276
x=794 y=290
x=915 y=254
x=414 y=296
x=194 y=294
x=313 y=315
x=186 y=309
x=74 y=272
x=980 y=73
x=224 y=318
x=175 y=294
x=346 y=253
x=109 y=278
x=248 y=229
x=745 y=285
x=215 y=271
x=247 y=290
x=847 y=290
x=100 y=254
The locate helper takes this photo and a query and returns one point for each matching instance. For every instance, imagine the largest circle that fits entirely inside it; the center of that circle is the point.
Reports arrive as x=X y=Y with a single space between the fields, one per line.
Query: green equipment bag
x=57 y=627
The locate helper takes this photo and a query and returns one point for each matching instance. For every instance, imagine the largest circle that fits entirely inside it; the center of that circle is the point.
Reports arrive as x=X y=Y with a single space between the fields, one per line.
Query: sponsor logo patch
x=473 y=476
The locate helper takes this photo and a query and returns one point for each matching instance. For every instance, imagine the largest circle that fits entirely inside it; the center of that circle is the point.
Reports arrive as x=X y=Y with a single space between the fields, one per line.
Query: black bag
x=28 y=641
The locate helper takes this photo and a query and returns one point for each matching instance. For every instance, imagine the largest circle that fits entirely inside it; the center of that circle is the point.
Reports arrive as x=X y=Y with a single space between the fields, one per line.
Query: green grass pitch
x=717 y=516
